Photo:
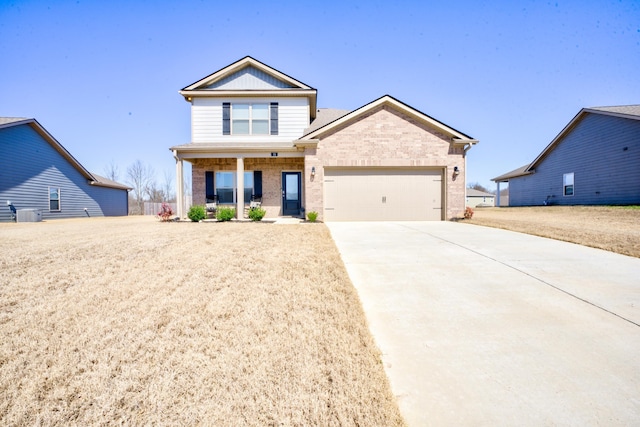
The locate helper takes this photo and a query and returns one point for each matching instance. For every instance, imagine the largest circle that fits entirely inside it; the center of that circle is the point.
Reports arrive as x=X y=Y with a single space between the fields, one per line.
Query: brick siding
x=385 y=137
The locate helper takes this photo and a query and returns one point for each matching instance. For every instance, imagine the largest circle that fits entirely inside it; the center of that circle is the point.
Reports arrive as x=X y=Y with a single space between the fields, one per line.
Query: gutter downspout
x=466 y=148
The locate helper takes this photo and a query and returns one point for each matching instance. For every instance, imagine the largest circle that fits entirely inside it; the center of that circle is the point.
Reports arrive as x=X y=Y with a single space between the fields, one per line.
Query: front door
x=291 y=190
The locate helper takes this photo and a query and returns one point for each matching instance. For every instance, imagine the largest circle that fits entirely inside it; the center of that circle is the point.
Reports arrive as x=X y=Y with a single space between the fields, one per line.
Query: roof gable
x=247 y=72
x=389 y=101
x=7 y=122
x=249 y=78
x=624 y=111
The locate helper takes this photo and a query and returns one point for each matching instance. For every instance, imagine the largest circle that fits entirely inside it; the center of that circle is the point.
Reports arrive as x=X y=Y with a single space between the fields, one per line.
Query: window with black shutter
x=226 y=118
x=274 y=118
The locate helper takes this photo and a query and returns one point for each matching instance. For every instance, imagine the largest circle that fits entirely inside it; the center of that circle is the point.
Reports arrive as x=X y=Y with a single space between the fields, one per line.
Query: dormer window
x=249 y=119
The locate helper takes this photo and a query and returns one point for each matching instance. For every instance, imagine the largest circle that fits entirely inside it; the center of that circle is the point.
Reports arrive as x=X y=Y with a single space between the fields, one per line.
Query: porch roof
x=238 y=149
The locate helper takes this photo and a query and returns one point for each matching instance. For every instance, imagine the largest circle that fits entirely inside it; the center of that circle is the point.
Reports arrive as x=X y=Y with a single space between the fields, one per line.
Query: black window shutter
x=209 y=188
x=226 y=118
x=274 y=118
x=257 y=183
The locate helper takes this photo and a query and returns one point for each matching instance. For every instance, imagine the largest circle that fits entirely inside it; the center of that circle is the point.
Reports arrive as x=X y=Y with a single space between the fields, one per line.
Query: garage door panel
x=359 y=194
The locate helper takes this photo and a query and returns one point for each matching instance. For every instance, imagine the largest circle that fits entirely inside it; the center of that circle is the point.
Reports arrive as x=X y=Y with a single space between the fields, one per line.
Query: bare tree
x=167 y=186
x=112 y=171
x=479 y=187
x=141 y=178
x=154 y=193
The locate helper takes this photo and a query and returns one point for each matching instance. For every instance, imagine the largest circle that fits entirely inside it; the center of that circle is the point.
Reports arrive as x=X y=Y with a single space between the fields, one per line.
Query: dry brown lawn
x=136 y=322
x=613 y=228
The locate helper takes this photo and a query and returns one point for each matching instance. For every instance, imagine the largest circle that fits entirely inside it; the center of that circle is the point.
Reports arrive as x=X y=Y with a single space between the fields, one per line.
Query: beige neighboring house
x=477 y=198
x=257 y=136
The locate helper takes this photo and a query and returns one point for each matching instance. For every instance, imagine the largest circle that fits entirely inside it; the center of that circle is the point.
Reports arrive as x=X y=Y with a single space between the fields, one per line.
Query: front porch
x=277 y=182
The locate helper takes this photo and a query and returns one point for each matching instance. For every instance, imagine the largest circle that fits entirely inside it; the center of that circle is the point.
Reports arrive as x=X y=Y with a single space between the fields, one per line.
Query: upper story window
x=567 y=184
x=249 y=119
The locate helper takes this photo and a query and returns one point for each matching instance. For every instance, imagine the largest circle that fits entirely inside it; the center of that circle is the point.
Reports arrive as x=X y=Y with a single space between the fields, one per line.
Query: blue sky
x=103 y=76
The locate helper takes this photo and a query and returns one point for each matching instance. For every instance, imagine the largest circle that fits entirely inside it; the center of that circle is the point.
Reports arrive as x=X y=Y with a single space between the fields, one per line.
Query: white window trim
x=251 y=104
x=59 y=199
x=565 y=184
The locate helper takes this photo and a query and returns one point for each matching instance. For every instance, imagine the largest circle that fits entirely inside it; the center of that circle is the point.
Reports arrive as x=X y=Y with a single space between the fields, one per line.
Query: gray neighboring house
x=477 y=198
x=595 y=160
x=37 y=172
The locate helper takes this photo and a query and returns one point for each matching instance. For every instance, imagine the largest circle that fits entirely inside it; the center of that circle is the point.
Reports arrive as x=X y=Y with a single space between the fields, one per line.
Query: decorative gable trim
x=249 y=78
x=387 y=100
x=237 y=66
x=259 y=80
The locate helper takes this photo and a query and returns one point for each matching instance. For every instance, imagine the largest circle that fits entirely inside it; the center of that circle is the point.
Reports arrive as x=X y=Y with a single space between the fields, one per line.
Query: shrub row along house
x=256 y=133
x=37 y=174
x=594 y=160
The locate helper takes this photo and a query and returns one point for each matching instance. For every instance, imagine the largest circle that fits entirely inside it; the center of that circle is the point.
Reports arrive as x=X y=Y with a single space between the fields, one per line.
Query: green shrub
x=197 y=213
x=312 y=216
x=256 y=214
x=225 y=214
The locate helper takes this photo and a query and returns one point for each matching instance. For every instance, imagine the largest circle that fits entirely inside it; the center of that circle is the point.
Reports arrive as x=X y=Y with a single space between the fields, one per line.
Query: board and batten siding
x=249 y=78
x=603 y=153
x=206 y=120
x=30 y=165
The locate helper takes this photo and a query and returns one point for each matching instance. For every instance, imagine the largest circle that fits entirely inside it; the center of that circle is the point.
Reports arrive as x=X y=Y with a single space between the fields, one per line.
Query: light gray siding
x=603 y=153
x=29 y=165
x=206 y=119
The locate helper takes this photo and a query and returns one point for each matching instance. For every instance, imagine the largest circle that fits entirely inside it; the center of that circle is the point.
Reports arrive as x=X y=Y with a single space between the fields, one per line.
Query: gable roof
x=626 y=111
x=389 y=101
x=7 y=122
x=217 y=83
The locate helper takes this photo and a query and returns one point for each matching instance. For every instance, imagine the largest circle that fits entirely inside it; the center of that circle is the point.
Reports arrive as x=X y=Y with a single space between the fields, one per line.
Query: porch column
x=240 y=189
x=179 y=186
x=498 y=193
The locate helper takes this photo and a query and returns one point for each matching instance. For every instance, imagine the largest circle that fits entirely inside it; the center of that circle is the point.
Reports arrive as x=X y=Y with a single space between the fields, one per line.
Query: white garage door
x=358 y=194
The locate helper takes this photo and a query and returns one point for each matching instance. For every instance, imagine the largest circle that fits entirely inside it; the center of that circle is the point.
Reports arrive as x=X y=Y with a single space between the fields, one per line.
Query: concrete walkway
x=480 y=326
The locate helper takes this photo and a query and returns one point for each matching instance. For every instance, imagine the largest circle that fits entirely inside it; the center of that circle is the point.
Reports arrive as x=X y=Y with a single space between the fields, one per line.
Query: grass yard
x=613 y=228
x=132 y=321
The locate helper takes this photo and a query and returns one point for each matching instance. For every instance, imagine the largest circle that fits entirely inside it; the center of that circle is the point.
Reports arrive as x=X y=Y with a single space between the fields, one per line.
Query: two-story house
x=256 y=133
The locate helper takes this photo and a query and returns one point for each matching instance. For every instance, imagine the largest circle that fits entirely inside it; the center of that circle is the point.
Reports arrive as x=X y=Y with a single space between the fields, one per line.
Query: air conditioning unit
x=29 y=215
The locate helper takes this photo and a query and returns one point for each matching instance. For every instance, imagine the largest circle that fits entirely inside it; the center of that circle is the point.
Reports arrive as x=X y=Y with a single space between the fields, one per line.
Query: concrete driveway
x=480 y=326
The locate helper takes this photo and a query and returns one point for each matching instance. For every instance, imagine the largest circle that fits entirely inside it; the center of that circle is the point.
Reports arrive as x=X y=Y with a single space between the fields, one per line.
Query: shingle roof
x=477 y=193
x=324 y=116
x=7 y=120
x=522 y=170
x=106 y=182
x=628 y=110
